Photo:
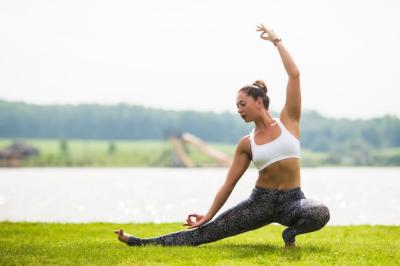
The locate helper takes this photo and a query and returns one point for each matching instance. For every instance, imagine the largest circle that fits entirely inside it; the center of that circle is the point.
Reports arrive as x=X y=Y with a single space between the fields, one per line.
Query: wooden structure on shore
x=180 y=157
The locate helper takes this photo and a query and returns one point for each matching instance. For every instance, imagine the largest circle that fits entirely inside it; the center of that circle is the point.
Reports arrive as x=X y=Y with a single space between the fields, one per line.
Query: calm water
x=354 y=195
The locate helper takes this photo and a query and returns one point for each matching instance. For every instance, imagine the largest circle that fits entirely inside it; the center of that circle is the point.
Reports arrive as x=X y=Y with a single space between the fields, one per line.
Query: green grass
x=96 y=244
x=95 y=153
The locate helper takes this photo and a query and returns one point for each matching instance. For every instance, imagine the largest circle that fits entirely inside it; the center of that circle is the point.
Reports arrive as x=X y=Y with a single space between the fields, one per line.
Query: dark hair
x=257 y=89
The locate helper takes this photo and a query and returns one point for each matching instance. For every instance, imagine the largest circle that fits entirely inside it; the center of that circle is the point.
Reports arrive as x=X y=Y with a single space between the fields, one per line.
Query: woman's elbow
x=294 y=74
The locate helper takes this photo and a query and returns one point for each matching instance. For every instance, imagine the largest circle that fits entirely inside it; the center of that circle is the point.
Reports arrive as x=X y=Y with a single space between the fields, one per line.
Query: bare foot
x=122 y=236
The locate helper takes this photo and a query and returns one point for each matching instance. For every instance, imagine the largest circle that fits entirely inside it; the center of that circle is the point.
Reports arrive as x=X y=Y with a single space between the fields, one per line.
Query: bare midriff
x=284 y=174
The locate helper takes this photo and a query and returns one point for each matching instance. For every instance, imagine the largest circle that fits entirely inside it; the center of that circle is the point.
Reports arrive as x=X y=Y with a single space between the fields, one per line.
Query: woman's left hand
x=200 y=219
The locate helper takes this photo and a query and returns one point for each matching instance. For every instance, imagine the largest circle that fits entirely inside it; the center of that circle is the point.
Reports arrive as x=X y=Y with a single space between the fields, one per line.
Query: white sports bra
x=285 y=146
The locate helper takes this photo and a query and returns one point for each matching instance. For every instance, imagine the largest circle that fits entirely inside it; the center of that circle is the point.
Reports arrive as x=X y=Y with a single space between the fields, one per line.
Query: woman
x=274 y=147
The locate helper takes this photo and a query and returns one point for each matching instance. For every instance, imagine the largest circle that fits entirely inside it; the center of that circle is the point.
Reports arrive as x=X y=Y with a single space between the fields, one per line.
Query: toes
x=119 y=232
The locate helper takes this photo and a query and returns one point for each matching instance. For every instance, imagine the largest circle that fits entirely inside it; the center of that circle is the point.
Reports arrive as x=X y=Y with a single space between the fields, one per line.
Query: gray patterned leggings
x=264 y=206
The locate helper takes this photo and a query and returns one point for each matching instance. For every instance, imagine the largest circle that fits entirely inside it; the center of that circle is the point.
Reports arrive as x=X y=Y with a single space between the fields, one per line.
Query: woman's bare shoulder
x=244 y=145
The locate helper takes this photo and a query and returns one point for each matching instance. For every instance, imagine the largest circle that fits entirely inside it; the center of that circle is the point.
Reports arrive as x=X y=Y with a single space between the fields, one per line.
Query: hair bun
x=260 y=84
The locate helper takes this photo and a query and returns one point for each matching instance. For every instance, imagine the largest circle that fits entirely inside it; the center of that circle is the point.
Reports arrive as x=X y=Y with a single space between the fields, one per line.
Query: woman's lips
x=243 y=116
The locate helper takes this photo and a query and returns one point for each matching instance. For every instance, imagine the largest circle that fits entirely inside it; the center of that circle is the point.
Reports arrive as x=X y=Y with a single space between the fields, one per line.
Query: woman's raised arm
x=292 y=106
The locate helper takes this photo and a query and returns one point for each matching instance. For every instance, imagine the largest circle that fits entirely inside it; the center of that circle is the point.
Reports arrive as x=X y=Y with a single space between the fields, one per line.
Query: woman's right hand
x=271 y=35
x=200 y=219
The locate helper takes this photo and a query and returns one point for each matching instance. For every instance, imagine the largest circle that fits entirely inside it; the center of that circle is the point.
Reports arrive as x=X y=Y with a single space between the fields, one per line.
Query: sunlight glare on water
x=353 y=195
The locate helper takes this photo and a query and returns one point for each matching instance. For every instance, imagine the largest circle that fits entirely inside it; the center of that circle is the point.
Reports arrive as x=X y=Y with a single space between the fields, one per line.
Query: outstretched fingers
x=265 y=34
x=261 y=28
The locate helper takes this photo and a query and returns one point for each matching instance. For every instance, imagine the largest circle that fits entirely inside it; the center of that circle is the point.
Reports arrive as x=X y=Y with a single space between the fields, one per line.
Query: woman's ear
x=259 y=103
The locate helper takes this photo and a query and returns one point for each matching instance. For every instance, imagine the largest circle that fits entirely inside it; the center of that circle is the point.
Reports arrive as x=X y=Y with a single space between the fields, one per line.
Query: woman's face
x=247 y=107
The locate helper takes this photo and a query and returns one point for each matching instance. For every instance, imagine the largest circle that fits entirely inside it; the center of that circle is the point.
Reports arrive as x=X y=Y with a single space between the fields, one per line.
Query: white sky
x=195 y=55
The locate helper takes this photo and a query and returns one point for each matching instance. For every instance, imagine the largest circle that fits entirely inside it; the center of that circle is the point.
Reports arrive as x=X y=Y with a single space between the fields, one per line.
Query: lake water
x=354 y=195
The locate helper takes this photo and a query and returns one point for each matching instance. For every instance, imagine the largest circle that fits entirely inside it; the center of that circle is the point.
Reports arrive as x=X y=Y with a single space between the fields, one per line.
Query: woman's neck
x=265 y=121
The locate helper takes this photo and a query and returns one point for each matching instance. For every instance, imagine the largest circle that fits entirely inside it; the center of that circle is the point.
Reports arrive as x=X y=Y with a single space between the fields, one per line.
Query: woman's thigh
x=247 y=215
x=301 y=208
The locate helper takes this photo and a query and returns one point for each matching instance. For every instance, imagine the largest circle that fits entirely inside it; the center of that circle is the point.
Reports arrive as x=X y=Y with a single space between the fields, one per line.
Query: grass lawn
x=96 y=244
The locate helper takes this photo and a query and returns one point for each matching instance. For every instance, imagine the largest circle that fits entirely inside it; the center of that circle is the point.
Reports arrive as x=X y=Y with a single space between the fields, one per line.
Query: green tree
x=64 y=150
x=112 y=147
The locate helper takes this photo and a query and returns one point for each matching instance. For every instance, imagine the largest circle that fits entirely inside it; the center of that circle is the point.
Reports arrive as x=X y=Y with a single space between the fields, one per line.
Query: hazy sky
x=195 y=55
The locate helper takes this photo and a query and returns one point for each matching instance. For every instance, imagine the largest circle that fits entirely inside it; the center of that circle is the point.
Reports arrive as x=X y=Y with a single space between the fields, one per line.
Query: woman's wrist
x=208 y=216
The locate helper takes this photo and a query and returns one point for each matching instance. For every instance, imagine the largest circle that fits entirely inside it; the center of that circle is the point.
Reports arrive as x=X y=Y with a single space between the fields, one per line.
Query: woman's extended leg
x=302 y=216
x=252 y=213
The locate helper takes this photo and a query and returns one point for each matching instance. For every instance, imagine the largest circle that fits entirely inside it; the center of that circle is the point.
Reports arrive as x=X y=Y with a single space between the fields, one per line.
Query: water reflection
x=354 y=195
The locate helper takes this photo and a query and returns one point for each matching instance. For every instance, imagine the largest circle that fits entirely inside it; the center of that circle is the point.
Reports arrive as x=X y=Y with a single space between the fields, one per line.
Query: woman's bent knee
x=323 y=214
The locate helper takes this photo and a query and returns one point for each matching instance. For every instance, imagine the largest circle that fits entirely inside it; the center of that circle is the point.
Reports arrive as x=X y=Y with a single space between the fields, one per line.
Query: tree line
x=132 y=122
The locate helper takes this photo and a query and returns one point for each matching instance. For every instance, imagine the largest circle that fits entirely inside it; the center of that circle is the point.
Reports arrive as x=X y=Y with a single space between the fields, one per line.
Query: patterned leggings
x=264 y=206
